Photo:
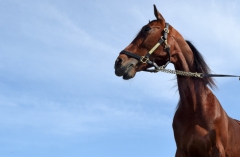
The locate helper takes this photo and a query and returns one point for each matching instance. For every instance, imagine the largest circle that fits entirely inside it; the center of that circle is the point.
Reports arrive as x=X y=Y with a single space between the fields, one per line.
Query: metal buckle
x=165 y=42
x=144 y=59
x=166 y=30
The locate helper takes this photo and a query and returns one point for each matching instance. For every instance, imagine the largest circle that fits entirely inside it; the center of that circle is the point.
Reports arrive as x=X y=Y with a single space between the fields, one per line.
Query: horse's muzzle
x=125 y=68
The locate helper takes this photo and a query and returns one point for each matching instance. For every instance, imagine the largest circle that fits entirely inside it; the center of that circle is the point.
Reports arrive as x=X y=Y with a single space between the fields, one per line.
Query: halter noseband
x=145 y=59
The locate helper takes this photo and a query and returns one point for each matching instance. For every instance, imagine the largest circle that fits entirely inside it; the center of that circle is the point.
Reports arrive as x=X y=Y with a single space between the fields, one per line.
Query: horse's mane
x=201 y=66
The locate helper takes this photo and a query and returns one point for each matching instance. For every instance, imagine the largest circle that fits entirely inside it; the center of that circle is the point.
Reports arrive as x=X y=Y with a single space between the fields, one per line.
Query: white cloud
x=78 y=60
x=77 y=119
x=57 y=77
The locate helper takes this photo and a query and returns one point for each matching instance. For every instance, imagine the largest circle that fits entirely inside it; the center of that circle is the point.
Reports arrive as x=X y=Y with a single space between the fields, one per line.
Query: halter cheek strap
x=145 y=59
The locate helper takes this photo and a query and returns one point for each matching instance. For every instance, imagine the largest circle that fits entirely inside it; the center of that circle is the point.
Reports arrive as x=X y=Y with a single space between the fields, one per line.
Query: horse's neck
x=193 y=92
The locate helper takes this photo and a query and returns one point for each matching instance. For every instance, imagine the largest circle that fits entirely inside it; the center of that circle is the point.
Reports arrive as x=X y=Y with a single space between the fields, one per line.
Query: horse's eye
x=146 y=29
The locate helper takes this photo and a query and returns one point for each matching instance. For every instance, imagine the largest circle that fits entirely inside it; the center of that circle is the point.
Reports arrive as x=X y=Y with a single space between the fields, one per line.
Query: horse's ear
x=157 y=14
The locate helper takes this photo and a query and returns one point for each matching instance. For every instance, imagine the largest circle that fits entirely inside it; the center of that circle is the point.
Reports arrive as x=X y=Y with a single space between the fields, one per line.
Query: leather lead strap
x=219 y=75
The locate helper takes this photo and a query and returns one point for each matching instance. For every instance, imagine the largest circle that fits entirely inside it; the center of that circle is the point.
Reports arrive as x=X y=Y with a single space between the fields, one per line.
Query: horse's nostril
x=118 y=61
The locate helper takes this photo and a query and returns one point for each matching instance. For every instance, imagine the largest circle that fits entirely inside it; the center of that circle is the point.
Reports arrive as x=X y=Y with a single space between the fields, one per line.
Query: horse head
x=149 y=48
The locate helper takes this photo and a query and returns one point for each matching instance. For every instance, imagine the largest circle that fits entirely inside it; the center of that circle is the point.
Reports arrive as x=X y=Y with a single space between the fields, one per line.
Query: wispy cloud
x=57 y=75
x=78 y=118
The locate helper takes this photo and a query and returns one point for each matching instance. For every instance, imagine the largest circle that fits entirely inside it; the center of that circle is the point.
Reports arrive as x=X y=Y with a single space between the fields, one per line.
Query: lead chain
x=178 y=72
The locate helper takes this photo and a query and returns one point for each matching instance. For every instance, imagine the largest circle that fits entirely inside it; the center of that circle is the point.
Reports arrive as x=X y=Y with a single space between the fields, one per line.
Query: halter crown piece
x=163 y=40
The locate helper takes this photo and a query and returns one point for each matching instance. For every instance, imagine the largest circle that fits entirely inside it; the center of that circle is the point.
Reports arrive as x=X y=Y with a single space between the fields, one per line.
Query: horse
x=201 y=126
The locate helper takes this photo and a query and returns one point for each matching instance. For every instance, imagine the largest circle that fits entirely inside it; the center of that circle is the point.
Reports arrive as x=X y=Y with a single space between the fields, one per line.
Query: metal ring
x=166 y=30
x=143 y=59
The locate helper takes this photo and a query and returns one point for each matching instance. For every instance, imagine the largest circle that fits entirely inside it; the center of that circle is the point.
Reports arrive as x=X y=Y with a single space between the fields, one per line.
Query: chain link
x=178 y=72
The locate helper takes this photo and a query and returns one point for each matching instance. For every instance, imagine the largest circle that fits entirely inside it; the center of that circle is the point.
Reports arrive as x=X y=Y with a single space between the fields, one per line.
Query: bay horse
x=201 y=126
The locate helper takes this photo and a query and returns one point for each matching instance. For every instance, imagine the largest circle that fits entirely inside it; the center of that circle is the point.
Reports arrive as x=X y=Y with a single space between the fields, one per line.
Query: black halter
x=145 y=59
x=163 y=40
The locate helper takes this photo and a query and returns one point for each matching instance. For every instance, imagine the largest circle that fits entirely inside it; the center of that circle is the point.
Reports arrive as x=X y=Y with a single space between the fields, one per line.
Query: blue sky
x=59 y=95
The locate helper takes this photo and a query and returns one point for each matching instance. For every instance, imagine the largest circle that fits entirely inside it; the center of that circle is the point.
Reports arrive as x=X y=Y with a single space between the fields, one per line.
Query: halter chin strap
x=145 y=59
